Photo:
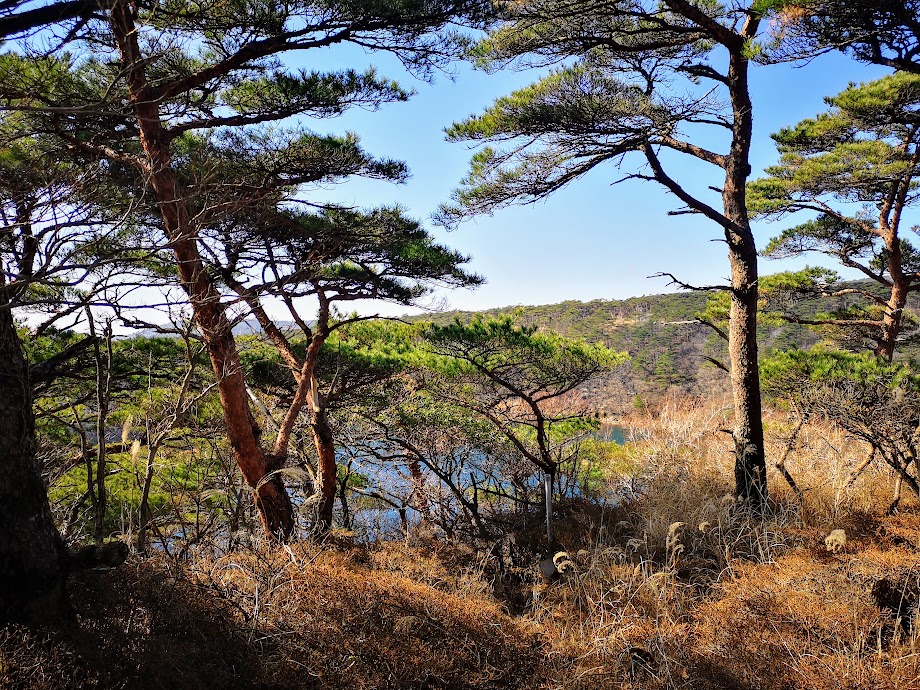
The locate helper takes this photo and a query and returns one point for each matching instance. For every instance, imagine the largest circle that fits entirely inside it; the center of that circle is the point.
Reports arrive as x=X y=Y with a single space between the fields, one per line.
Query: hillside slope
x=668 y=347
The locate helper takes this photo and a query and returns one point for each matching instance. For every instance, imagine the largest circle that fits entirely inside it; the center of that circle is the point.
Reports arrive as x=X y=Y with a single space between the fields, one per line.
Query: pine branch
x=687 y=286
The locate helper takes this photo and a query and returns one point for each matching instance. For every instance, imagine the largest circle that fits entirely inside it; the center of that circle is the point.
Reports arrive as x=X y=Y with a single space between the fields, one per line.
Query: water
x=385 y=521
x=614 y=433
x=394 y=479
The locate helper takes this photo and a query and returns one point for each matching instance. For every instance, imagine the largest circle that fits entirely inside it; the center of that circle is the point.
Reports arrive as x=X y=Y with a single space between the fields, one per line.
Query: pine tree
x=863 y=152
x=334 y=257
x=614 y=93
x=521 y=381
x=145 y=78
x=883 y=32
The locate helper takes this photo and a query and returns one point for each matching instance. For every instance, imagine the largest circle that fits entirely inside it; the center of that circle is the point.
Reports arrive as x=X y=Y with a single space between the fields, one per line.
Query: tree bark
x=33 y=560
x=418 y=482
x=548 y=496
x=343 y=500
x=210 y=315
x=326 y=467
x=895 y=495
x=781 y=463
x=889 y=225
x=750 y=459
x=891 y=321
x=307 y=394
x=144 y=510
x=103 y=390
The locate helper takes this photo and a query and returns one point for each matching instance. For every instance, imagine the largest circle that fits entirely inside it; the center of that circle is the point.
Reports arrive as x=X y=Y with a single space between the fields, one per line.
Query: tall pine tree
x=633 y=77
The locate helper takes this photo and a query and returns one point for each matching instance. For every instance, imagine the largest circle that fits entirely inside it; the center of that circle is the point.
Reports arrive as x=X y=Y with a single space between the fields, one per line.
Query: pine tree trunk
x=326 y=467
x=891 y=321
x=271 y=497
x=33 y=561
x=548 y=497
x=103 y=389
x=750 y=460
x=890 y=216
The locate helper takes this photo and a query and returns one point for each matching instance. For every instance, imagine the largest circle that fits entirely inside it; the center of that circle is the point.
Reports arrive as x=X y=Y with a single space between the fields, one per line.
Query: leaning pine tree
x=614 y=92
x=522 y=382
x=144 y=77
x=333 y=257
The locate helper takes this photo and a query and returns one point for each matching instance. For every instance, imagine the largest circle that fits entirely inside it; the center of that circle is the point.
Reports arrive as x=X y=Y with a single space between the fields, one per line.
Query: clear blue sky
x=590 y=240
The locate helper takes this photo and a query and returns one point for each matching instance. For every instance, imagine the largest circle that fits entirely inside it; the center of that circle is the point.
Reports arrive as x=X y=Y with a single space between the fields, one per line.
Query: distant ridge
x=669 y=349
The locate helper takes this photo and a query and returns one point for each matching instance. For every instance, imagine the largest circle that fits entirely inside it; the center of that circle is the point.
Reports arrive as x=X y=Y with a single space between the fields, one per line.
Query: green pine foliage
x=855 y=167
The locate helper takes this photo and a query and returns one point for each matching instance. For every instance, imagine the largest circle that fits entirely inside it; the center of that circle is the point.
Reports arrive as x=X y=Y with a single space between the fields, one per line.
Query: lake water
x=381 y=519
x=617 y=434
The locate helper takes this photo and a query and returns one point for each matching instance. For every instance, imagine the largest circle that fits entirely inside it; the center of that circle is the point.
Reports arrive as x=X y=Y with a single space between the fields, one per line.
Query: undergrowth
x=672 y=585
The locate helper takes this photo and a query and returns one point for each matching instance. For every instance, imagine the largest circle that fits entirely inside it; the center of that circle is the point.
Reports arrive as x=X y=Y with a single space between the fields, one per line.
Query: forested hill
x=668 y=346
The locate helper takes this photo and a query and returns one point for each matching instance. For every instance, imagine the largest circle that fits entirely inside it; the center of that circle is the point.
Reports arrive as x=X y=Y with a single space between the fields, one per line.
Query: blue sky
x=590 y=240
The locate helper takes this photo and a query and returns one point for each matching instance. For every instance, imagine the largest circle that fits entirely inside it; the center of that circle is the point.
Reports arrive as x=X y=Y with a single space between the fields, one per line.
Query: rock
x=99 y=557
x=836 y=541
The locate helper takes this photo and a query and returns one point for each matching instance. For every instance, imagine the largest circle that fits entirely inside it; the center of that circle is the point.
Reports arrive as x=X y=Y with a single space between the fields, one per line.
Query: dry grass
x=677 y=588
x=138 y=627
x=681 y=589
x=331 y=616
x=811 y=622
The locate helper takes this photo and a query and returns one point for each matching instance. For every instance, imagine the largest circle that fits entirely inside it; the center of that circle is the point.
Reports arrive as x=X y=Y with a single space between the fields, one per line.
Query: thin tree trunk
x=854 y=475
x=896 y=495
x=750 y=458
x=33 y=560
x=906 y=478
x=87 y=460
x=470 y=509
x=781 y=463
x=418 y=482
x=146 y=517
x=476 y=517
x=343 y=500
x=103 y=390
x=210 y=315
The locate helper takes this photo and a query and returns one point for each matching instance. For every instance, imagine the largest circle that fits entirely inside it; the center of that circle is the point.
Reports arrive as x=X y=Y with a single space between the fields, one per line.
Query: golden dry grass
x=302 y=617
x=724 y=600
x=681 y=589
x=345 y=623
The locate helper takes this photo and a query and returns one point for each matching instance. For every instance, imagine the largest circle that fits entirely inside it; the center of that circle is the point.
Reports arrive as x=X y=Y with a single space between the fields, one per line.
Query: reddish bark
x=891 y=321
x=326 y=467
x=307 y=394
x=889 y=222
x=255 y=464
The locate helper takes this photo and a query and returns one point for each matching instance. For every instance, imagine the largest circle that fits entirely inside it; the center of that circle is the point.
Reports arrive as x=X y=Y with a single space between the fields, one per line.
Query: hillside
x=675 y=589
x=668 y=347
